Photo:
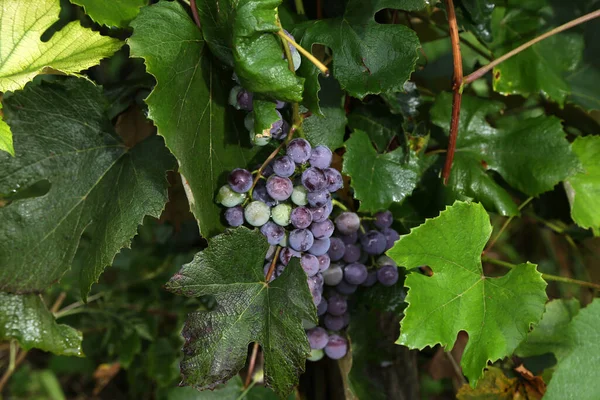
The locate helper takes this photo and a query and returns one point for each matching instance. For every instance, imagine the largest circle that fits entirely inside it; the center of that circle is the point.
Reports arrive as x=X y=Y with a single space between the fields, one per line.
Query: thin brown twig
x=483 y=70
x=319 y=10
x=457 y=79
x=195 y=13
x=253 y=358
x=273 y=263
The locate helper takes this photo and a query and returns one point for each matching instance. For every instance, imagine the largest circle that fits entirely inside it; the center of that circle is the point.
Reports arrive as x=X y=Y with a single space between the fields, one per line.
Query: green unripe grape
x=281 y=214
x=257 y=213
x=315 y=355
x=284 y=240
x=228 y=198
x=299 y=195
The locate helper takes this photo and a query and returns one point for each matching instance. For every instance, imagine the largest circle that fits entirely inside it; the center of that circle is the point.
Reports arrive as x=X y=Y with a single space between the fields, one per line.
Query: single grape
x=352 y=253
x=373 y=242
x=318 y=198
x=279 y=104
x=387 y=275
x=337 y=347
x=333 y=322
x=310 y=264
x=273 y=232
x=279 y=269
x=347 y=223
x=234 y=216
x=240 y=180
x=228 y=198
x=281 y=131
x=315 y=291
x=284 y=241
x=371 y=279
x=322 y=307
x=276 y=126
x=270 y=253
x=267 y=170
x=281 y=214
x=322 y=230
x=296 y=59
x=284 y=166
x=334 y=179
x=320 y=247
x=385 y=260
x=383 y=219
x=300 y=196
x=320 y=157
x=318 y=278
x=337 y=305
x=279 y=188
x=286 y=254
x=349 y=239
x=315 y=355
x=355 y=273
x=301 y=217
x=257 y=213
x=337 y=248
x=345 y=288
x=317 y=338
x=320 y=214
x=260 y=193
x=313 y=179
x=299 y=150
x=249 y=121
x=390 y=236
x=240 y=98
x=324 y=262
x=333 y=275
x=301 y=239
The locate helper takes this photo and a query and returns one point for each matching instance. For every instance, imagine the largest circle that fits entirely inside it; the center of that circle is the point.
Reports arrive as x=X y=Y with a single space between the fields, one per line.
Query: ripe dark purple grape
x=320 y=247
x=273 y=232
x=337 y=347
x=284 y=166
x=355 y=273
x=279 y=188
x=334 y=179
x=299 y=150
x=320 y=214
x=313 y=179
x=351 y=253
x=310 y=264
x=281 y=131
x=333 y=322
x=240 y=180
x=373 y=242
x=337 y=248
x=337 y=305
x=347 y=223
x=383 y=219
x=387 y=275
x=322 y=307
x=286 y=255
x=318 y=198
x=234 y=216
x=324 y=262
x=371 y=279
x=260 y=193
x=390 y=236
x=301 y=217
x=345 y=288
x=322 y=230
x=317 y=338
x=301 y=239
x=320 y=157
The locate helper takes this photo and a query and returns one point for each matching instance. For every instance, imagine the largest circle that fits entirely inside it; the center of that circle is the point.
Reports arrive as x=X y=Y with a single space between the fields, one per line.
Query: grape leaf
x=6 y=140
x=111 y=12
x=379 y=180
x=25 y=317
x=241 y=34
x=495 y=312
x=248 y=309
x=495 y=385
x=378 y=123
x=576 y=372
x=476 y=16
x=189 y=106
x=229 y=391
x=583 y=189
x=265 y=115
x=584 y=82
x=368 y=58
x=547 y=160
x=63 y=137
x=24 y=55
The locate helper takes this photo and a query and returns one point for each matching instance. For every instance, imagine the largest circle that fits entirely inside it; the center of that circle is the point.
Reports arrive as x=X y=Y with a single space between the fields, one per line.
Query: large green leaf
x=25 y=317
x=379 y=180
x=241 y=34
x=495 y=312
x=576 y=373
x=532 y=155
x=189 y=107
x=368 y=57
x=248 y=309
x=63 y=138
x=583 y=189
x=476 y=16
x=6 y=140
x=23 y=55
x=111 y=12
x=378 y=123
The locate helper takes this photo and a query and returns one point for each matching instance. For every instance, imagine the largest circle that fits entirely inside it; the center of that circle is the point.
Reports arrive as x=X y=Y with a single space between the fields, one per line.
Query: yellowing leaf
x=6 y=141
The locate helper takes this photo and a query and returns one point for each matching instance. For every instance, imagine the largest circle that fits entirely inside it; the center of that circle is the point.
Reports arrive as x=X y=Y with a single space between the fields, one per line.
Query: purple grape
x=347 y=223
x=320 y=247
x=301 y=217
x=234 y=216
x=318 y=278
x=320 y=157
x=279 y=188
x=390 y=236
x=301 y=239
x=333 y=322
x=315 y=291
x=333 y=275
x=351 y=253
x=337 y=305
x=320 y=214
x=337 y=347
x=373 y=242
x=281 y=131
x=286 y=255
x=345 y=288
x=310 y=264
x=279 y=269
x=383 y=219
x=355 y=273
x=299 y=150
x=244 y=100
x=334 y=179
x=318 y=198
x=279 y=104
x=349 y=239
x=322 y=230
x=337 y=248
x=317 y=338
x=313 y=179
x=273 y=232
x=371 y=279
x=267 y=170
x=270 y=253
x=260 y=193
x=322 y=307
x=324 y=262
x=240 y=180
x=387 y=275
x=284 y=166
